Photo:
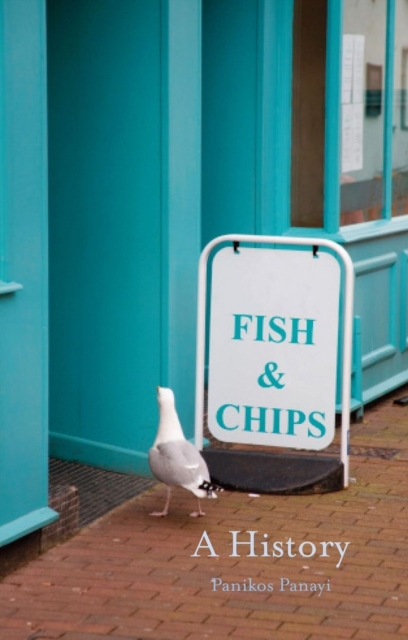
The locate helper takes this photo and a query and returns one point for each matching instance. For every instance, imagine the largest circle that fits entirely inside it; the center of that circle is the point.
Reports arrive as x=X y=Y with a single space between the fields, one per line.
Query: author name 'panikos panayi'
x=284 y=584
x=252 y=546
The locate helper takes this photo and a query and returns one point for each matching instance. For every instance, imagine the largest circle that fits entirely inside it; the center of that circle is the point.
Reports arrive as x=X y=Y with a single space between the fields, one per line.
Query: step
x=274 y=473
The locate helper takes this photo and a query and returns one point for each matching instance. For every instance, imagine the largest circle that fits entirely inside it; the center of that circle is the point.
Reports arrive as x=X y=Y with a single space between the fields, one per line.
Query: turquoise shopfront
x=305 y=133
x=134 y=132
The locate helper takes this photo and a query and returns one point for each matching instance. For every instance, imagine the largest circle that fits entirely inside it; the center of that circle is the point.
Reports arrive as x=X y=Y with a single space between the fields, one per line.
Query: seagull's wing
x=179 y=463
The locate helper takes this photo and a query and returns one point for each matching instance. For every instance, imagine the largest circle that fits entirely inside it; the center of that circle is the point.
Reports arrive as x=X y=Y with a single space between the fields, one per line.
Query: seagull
x=176 y=461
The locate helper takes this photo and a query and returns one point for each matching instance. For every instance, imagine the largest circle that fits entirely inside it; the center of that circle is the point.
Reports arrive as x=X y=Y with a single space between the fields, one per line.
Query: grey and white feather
x=174 y=460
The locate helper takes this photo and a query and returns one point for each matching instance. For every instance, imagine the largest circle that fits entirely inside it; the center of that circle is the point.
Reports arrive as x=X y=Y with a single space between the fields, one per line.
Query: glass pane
x=308 y=112
x=362 y=119
x=400 y=115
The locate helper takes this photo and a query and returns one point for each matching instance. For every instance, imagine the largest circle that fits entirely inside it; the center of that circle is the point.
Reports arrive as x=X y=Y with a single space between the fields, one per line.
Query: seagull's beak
x=157 y=388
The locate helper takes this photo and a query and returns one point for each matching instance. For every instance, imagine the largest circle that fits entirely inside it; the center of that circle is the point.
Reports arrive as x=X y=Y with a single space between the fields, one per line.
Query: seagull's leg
x=166 y=506
x=200 y=512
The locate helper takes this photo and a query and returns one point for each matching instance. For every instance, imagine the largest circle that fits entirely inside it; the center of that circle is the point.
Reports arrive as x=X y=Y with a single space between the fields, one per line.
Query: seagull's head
x=165 y=396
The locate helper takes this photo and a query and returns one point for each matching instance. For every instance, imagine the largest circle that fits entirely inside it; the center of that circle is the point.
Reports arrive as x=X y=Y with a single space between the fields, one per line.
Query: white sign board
x=273 y=347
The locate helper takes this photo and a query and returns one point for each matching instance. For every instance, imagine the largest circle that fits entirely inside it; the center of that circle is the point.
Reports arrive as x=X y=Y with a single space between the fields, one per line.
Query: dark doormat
x=273 y=473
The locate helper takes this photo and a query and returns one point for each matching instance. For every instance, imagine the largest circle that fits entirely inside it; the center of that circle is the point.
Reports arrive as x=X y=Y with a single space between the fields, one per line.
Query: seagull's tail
x=210 y=488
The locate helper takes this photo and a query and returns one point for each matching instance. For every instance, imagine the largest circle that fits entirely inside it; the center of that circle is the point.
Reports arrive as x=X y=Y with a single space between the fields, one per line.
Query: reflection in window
x=363 y=76
x=400 y=112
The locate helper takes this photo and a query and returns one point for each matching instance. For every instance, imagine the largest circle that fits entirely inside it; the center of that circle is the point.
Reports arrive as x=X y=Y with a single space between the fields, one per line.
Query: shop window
x=400 y=112
x=308 y=112
x=362 y=110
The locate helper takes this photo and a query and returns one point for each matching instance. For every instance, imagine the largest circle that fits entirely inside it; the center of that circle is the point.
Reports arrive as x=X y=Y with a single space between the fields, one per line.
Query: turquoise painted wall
x=23 y=251
x=381 y=266
x=124 y=164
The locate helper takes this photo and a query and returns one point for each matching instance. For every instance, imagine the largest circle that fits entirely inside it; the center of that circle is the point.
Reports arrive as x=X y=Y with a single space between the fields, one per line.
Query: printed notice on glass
x=352 y=129
x=347 y=68
x=352 y=89
x=358 y=124
x=352 y=137
x=347 y=138
x=358 y=69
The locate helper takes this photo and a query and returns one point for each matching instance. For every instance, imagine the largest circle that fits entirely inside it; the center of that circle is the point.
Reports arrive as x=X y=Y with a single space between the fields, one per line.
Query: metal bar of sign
x=273 y=342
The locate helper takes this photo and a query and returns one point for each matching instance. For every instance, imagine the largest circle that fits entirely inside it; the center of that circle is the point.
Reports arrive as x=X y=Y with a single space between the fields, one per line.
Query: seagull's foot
x=199 y=513
x=161 y=514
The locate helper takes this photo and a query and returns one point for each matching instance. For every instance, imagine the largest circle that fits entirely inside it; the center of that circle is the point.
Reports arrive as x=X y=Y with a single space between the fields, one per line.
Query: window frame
x=331 y=205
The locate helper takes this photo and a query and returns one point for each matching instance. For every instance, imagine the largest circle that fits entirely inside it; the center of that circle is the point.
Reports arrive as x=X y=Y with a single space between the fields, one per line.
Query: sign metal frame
x=346 y=347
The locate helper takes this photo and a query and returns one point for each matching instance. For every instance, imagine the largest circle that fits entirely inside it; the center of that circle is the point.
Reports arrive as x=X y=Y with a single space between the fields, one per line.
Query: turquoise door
x=305 y=133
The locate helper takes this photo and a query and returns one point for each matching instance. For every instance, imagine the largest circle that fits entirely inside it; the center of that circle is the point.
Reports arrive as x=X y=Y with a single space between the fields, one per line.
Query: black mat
x=258 y=472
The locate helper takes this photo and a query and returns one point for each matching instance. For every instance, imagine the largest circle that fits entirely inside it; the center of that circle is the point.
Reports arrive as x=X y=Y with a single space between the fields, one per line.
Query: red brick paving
x=130 y=577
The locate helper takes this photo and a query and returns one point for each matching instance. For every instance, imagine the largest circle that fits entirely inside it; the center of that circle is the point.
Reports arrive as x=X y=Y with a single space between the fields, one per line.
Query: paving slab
x=290 y=567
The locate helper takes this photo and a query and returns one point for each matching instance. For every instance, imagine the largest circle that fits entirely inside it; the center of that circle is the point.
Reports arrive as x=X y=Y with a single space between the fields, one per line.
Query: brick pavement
x=130 y=577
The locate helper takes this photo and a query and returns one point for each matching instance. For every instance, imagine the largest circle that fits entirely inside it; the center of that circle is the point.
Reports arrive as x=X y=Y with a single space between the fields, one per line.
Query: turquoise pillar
x=23 y=272
x=247 y=92
x=181 y=189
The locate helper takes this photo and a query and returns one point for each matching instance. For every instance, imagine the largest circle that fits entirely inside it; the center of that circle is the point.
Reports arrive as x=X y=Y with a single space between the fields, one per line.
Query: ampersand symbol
x=269 y=379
